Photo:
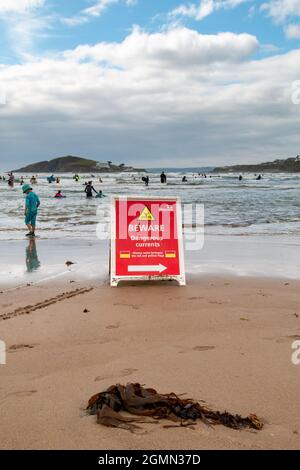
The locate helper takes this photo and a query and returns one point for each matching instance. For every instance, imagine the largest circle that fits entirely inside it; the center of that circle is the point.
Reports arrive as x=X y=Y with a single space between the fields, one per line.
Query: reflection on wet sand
x=32 y=260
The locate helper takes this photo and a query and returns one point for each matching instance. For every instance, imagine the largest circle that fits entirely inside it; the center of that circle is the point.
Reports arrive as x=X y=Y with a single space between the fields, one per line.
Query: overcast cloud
x=174 y=98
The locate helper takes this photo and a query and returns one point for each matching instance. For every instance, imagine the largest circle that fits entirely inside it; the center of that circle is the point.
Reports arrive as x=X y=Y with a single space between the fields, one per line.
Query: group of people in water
x=88 y=186
x=163 y=178
x=11 y=180
x=32 y=201
x=258 y=178
x=88 y=189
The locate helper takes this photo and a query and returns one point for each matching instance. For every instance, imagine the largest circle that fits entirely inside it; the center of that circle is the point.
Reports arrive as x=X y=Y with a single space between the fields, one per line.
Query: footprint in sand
x=127 y=372
x=135 y=307
x=21 y=347
x=113 y=327
x=123 y=373
x=21 y=393
x=282 y=339
x=103 y=377
x=203 y=348
x=197 y=348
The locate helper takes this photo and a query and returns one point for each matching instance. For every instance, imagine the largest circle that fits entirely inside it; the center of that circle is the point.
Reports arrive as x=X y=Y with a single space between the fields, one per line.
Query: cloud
x=153 y=100
x=292 y=31
x=23 y=23
x=19 y=6
x=177 y=47
x=205 y=8
x=281 y=10
x=24 y=31
x=94 y=11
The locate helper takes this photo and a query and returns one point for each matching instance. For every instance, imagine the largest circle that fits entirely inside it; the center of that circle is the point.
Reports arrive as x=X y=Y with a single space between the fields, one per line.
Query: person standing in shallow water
x=163 y=178
x=11 y=180
x=145 y=179
x=32 y=204
x=89 y=188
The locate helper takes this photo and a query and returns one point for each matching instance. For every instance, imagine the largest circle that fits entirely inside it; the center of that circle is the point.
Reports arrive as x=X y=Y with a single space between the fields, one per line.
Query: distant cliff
x=290 y=165
x=72 y=164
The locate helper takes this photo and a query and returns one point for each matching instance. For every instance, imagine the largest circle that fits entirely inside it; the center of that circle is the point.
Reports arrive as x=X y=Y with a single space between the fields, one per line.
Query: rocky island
x=289 y=165
x=71 y=164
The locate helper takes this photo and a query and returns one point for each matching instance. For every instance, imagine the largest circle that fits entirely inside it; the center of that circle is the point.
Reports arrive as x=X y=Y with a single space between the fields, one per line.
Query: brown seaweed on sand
x=146 y=402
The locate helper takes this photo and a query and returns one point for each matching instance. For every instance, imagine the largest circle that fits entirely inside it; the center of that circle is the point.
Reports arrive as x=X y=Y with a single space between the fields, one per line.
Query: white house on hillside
x=102 y=165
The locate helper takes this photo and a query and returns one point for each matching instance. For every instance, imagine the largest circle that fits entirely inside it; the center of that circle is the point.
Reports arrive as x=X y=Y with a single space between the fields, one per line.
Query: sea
x=268 y=207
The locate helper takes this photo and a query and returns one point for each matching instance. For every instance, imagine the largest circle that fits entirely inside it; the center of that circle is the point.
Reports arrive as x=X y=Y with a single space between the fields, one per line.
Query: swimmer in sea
x=59 y=195
x=100 y=194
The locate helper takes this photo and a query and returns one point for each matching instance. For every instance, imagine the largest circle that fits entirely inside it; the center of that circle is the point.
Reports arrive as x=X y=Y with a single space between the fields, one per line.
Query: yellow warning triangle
x=146 y=214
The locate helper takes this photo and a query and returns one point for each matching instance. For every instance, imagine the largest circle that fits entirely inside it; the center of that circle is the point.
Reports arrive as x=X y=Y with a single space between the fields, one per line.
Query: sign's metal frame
x=114 y=279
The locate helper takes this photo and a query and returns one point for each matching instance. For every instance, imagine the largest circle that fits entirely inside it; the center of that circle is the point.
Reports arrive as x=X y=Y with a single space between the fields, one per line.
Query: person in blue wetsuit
x=32 y=204
x=51 y=179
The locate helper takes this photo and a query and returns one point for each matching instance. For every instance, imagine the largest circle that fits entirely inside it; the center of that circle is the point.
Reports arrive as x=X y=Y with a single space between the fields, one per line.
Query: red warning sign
x=146 y=239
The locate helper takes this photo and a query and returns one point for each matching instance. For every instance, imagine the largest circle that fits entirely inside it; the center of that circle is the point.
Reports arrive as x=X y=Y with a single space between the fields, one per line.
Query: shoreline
x=225 y=340
x=25 y=262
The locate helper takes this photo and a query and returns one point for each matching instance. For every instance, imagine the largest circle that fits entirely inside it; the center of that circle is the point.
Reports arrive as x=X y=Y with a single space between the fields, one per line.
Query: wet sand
x=225 y=340
x=32 y=261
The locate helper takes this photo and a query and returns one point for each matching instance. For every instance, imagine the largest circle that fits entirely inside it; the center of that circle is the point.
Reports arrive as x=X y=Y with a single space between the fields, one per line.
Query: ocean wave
x=248 y=207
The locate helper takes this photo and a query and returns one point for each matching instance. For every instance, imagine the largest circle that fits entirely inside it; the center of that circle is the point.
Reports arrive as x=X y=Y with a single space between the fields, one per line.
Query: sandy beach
x=150 y=228
x=224 y=340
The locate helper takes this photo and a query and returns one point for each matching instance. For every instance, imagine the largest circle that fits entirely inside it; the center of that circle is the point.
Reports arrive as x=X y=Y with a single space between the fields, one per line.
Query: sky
x=149 y=83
